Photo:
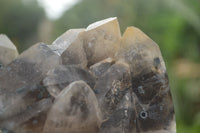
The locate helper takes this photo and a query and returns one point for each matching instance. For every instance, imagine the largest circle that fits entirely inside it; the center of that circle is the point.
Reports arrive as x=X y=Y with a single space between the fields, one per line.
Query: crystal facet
x=63 y=42
x=8 y=51
x=61 y=76
x=75 y=111
x=20 y=83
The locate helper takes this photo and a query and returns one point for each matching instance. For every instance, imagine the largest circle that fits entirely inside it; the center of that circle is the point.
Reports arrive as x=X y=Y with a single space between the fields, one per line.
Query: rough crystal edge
x=100 y=23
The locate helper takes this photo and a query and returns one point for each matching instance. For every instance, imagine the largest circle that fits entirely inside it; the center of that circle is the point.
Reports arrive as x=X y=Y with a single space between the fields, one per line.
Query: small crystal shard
x=101 y=39
x=8 y=51
x=74 y=111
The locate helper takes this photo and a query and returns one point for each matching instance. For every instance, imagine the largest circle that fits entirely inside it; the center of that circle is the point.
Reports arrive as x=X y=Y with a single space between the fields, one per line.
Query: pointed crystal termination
x=75 y=111
x=97 y=42
x=139 y=51
x=63 y=42
x=60 y=77
x=150 y=83
x=101 y=40
x=75 y=54
x=8 y=51
x=20 y=83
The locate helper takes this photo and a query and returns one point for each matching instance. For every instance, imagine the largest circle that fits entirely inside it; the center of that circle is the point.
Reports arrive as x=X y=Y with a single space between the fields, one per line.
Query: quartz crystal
x=150 y=83
x=111 y=87
x=75 y=54
x=100 y=40
x=63 y=42
x=97 y=42
x=61 y=76
x=20 y=82
x=89 y=80
x=8 y=51
x=75 y=110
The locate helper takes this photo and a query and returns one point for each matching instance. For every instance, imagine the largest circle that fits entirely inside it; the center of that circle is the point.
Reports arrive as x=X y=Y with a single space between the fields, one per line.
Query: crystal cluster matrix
x=89 y=80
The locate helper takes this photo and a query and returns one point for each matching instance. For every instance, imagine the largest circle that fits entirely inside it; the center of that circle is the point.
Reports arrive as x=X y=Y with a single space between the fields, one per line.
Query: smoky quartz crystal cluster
x=89 y=80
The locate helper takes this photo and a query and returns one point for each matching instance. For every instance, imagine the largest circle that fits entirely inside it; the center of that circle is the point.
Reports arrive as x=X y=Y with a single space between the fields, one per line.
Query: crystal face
x=74 y=110
x=89 y=80
x=8 y=51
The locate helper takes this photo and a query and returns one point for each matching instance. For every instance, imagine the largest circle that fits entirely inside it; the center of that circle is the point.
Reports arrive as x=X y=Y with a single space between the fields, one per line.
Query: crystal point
x=8 y=51
x=63 y=42
x=74 y=111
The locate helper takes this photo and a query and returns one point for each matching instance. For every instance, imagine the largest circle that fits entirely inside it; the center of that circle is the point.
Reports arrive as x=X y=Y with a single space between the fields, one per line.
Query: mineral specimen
x=88 y=81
